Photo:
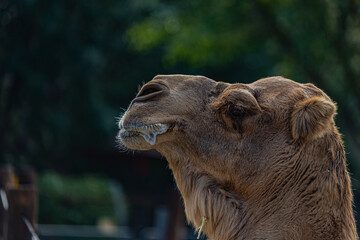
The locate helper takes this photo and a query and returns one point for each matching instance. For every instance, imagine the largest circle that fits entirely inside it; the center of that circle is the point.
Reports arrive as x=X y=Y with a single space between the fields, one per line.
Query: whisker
x=140 y=86
x=118 y=119
x=121 y=146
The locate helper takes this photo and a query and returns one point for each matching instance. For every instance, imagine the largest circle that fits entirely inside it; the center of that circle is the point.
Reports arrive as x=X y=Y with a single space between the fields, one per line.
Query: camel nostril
x=149 y=91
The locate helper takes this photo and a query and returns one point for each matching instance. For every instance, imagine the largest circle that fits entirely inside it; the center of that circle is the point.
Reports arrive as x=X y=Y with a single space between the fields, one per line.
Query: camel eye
x=237 y=113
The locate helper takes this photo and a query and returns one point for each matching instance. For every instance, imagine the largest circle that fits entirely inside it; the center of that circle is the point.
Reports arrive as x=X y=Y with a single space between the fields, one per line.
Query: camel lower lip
x=126 y=133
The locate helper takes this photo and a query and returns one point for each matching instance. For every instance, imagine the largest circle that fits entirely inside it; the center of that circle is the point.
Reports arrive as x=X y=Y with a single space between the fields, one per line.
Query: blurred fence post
x=27 y=175
x=6 y=178
x=23 y=203
x=176 y=224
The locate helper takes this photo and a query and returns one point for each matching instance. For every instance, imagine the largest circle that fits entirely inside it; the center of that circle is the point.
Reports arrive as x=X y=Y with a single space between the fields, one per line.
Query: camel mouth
x=147 y=131
x=142 y=128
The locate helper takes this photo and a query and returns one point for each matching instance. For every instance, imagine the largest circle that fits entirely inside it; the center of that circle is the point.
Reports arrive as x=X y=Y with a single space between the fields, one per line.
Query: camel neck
x=226 y=214
x=230 y=215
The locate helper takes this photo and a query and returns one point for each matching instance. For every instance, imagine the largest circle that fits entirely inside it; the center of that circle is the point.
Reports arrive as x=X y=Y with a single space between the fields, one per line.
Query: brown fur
x=259 y=161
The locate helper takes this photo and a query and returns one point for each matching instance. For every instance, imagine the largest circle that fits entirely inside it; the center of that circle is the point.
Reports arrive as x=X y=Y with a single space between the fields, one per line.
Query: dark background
x=69 y=68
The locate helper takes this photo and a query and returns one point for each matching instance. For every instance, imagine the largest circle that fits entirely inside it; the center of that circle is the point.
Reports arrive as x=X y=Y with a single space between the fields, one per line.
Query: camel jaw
x=147 y=131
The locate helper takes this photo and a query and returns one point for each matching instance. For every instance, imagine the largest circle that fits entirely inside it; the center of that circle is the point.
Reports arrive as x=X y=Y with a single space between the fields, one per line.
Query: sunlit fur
x=259 y=161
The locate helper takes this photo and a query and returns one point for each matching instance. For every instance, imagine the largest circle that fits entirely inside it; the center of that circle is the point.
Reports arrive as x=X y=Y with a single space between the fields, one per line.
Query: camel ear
x=312 y=117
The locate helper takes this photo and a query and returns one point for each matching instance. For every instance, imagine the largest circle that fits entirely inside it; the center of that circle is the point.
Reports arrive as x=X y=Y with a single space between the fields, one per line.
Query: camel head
x=246 y=155
x=224 y=125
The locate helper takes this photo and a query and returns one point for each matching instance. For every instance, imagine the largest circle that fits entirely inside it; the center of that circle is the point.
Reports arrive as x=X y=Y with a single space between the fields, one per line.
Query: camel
x=252 y=161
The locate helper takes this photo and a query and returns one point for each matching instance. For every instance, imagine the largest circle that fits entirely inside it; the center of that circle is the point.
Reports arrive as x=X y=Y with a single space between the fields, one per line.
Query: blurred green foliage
x=74 y=200
x=68 y=67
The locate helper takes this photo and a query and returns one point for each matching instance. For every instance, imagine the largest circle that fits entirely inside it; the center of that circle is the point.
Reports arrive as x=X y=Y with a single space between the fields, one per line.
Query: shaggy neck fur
x=324 y=197
x=204 y=197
